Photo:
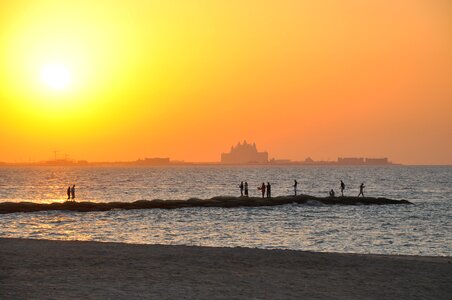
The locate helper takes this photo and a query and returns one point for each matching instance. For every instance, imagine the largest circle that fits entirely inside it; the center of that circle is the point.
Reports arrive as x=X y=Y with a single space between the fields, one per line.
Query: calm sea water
x=421 y=229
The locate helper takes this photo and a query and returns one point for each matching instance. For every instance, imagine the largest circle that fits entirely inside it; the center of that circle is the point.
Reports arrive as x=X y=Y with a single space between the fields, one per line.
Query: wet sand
x=41 y=269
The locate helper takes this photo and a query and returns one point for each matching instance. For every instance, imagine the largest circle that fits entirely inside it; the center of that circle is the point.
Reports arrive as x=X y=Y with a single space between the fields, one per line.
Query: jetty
x=221 y=201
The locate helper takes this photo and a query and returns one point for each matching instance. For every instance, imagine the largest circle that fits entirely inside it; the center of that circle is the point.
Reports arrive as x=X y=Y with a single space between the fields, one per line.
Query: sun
x=56 y=76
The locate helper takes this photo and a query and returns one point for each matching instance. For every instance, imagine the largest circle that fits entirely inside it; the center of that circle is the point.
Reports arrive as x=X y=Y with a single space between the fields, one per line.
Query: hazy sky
x=121 y=80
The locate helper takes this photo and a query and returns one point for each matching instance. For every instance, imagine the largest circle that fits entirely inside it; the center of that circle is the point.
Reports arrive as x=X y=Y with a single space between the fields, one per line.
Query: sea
x=424 y=228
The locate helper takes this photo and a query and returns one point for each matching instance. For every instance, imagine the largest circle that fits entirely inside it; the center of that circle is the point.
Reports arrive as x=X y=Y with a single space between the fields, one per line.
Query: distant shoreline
x=211 y=164
x=196 y=164
x=93 y=270
x=140 y=163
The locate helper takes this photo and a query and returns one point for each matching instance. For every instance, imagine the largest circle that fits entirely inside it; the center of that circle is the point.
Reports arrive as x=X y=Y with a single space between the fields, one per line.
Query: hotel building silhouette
x=244 y=154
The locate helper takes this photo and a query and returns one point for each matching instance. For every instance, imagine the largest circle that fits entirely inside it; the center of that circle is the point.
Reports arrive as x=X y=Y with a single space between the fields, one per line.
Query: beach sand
x=42 y=269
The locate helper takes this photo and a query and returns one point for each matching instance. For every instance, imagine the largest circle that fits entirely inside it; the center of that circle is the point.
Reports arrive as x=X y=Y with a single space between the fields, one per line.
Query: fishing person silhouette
x=262 y=188
x=73 y=192
x=246 y=189
x=361 y=189
x=269 y=190
x=69 y=193
x=342 y=188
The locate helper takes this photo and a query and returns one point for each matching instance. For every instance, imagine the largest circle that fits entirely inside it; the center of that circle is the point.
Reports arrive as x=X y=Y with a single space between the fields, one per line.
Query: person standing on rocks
x=262 y=188
x=246 y=189
x=361 y=189
x=241 y=188
x=295 y=185
x=269 y=190
x=73 y=192
x=68 y=193
x=342 y=188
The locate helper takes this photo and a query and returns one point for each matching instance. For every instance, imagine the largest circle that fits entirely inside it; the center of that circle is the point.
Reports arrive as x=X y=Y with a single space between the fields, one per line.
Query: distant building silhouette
x=280 y=161
x=309 y=161
x=244 y=154
x=154 y=161
x=363 y=161
x=350 y=160
x=377 y=161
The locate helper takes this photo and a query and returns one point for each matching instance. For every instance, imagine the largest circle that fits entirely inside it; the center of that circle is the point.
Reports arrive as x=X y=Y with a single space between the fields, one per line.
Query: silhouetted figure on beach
x=241 y=188
x=361 y=189
x=73 y=192
x=295 y=185
x=342 y=188
x=269 y=190
x=69 y=193
x=262 y=188
x=332 y=193
x=246 y=189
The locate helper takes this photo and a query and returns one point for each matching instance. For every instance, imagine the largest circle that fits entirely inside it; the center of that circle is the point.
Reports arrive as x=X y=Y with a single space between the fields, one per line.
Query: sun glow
x=85 y=76
x=56 y=76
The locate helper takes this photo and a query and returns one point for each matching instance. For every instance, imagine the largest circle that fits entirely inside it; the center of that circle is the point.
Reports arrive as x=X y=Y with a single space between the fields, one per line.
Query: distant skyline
x=241 y=153
x=117 y=81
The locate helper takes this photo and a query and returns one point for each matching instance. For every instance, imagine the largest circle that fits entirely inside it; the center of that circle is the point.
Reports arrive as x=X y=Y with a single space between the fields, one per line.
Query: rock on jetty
x=221 y=201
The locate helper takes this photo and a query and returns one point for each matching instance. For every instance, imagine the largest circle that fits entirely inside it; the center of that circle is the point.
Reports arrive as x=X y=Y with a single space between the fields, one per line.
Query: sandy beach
x=41 y=269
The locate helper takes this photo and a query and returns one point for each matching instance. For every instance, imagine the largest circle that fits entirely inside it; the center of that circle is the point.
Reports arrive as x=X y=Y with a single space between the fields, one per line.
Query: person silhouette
x=361 y=189
x=332 y=193
x=262 y=188
x=269 y=190
x=246 y=189
x=295 y=185
x=342 y=188
x=73 y=192
x=241 y=188
x=68 y=193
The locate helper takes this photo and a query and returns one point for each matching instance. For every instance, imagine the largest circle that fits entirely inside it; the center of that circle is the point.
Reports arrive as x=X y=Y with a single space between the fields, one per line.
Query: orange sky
x=188 y=79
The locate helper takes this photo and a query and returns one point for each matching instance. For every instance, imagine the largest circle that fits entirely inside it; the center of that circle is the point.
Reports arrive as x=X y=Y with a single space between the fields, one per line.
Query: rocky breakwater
x=221 y=201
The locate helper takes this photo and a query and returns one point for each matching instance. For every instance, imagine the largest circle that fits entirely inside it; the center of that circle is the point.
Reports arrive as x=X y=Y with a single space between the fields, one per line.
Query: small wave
x=314 y=203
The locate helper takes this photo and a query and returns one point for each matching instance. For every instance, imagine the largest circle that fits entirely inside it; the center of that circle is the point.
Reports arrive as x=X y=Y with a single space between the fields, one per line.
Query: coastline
x=46 y=269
